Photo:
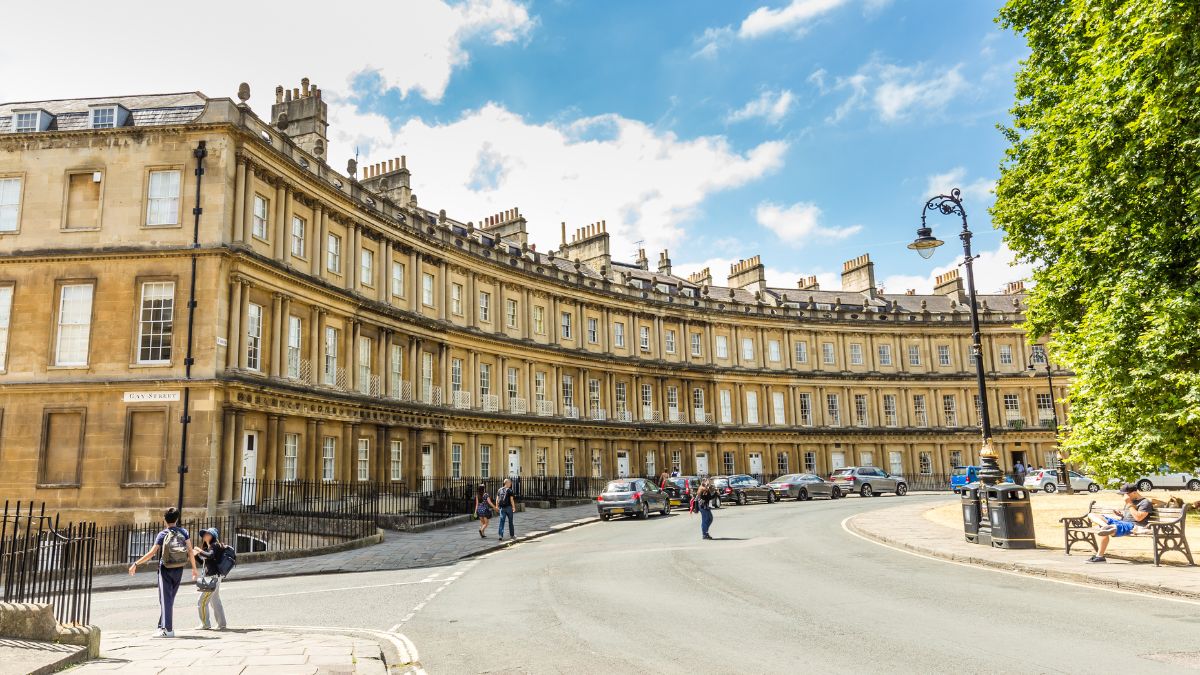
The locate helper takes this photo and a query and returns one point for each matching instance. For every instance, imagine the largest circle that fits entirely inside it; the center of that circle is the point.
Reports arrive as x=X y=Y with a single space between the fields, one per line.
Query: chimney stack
x=858 y=275
x=950 y=285
x=702 y=278
x=307 y=117
x=664 y=263
x=749 y=274
x=809 y=283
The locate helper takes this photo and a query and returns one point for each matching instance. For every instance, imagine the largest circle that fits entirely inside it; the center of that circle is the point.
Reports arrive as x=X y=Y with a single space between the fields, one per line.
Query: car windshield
x=958 y=471
x=678 y=482
x=619 y=486
x=721 y=482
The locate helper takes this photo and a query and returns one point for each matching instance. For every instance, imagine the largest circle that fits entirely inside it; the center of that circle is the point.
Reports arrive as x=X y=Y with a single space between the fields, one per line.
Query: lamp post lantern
x=925 y=243
x=1064 y=477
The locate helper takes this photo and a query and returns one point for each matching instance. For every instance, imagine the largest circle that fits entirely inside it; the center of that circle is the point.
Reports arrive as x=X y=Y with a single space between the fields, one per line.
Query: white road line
x=1094 y=587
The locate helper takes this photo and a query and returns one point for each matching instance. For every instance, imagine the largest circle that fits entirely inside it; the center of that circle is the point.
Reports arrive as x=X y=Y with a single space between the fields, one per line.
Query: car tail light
x=784 y=486
x=599 y=498
x=637 y=495
x=728 y=490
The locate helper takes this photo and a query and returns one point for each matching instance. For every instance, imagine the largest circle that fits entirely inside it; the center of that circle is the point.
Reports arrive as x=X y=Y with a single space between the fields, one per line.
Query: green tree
x=1100 y=188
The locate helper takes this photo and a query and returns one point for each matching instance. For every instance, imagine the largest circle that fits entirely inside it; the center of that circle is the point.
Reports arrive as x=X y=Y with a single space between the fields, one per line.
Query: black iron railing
x=43 y=560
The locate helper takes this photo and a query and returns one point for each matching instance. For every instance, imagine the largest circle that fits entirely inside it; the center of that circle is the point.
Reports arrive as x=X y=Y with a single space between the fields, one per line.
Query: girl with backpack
x=484 y=508
x=213 y=553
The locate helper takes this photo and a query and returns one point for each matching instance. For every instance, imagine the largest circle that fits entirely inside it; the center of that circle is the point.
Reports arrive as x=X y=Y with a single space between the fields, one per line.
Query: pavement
x=910 y=527
x=32 y=657
x=399 y=550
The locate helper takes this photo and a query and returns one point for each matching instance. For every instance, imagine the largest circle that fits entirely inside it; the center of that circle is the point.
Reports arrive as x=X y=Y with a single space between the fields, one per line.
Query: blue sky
x=808 y=131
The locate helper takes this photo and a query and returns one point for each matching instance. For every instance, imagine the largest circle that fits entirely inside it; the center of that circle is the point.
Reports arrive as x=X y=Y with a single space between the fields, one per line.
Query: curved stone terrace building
x=345 y=333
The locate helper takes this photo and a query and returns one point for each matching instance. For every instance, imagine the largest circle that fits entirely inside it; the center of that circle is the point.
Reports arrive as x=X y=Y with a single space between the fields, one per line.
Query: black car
x=742 y=489
x=682 y=488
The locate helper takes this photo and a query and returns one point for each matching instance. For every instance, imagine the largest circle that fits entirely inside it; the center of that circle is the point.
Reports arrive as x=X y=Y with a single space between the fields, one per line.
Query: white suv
x=1168 y=480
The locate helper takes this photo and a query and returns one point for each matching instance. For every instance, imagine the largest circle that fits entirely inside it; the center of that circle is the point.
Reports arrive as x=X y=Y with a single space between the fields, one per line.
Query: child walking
x=211 y=551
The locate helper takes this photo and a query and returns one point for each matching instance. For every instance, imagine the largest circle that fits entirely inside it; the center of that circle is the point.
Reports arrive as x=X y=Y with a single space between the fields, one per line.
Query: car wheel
x=645 y=514
x=1193 y=485
x=836 y=494
x=741 y=499
x=771 y=497
x=901 y=490
x=666 y=509
x=1145 y=485
x=1050 y=488
x=803 y=496
x=605 y=517
x=1093 y=487
x=866 y=491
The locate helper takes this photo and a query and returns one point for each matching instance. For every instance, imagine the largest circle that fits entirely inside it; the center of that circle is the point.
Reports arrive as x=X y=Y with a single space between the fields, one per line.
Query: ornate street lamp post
x=925 y=243
x=1064 y=478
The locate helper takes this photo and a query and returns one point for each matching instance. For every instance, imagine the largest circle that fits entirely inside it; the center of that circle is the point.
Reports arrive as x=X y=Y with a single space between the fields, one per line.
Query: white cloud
x=895 y=93
x=645 y=183
x=771 y=106
x=414 y=47
x=799 y=223
x=993 y=270
x=794 y=17
x=977 y=192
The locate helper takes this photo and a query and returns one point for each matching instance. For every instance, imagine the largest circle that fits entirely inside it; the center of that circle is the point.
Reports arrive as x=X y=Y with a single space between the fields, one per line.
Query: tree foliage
x=1100 y=188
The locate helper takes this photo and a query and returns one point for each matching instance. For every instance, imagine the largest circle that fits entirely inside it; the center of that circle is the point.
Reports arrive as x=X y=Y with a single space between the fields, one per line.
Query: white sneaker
x=164 y=634
x=201 y=627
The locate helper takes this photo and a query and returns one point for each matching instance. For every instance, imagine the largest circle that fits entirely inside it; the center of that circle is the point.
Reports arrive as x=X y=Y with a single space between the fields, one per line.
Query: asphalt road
x=784 y=587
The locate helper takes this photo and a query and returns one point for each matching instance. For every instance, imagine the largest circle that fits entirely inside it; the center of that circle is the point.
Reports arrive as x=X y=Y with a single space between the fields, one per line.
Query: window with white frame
x=896 y=462
x=778 y=408
x=782 y=463
x=1037 y=352
x=926 y=461
x=885 y=355
x=696 y=350
x=597 y=469
x=834 y=409
x=860 y=410
x=810 y=462
x=568 y=391
x=1006 y=356
x=806 y=417
x=512 y=382
x=456 y=370
x=540 y=459
x=978 y=408
x=566 y=325
x=299 y=230
x=262 y=208
x=647 y=399
x=397 y=278
x=291 y=455
x=156 y=322
x=333 y=253
x=676 y=460
x=774 y=354
x=1012 y=407
x=650 y=465
x=622 y=397
x=971 y=355
x=914 y=355
x=619 y=334
x=427 y=289
x=727 y=461
x=726 y=406
x=293 y=347
x=950 y=410
x=956 y=458
x=889 y=410
x=747 y=349
x=539 y=319
x=920 y=411
x=828 y=357
x=866 y=458
x=698 y=399
x=722 y=347
x=670 y=340
x=396 y=370
x=943 y=355
x=856 y=354
x=331 y=355
x=162 y=202
x=593 y=330
x=644 y=338
x=1045 y=404
x=485 y=461
x=254 y=338
x=456 y=296
x=752 y=407
x=673 y=398
x=104 y=118
x=539 y=386
x=485 y=307
x=364 y=364
x=510 y=313
x=366 y=267
x=10 y=204
x=427 y=377
x=397 y=460
x=6 y=296
x=27 y=122
x=328 y=457
x=593 y=394
x=569 y=462
x=801 y=347
x=456 y=460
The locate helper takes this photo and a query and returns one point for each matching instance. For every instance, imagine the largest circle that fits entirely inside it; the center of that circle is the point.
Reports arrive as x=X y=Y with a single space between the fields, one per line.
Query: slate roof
x=144 y=111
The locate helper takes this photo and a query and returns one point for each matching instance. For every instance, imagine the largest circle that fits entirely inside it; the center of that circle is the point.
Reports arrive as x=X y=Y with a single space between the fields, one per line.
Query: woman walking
x=702 y=503
x=484 y=508
x=211 y=551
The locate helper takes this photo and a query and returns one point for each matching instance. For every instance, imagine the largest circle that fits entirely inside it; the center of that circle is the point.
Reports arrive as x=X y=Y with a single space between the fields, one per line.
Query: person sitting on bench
x=1122 y=522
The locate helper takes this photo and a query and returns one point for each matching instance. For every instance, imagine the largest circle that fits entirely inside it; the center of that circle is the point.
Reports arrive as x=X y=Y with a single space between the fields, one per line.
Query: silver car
x=803 y=486
x=868 y=481
x=1046 y=480
x=635 y=497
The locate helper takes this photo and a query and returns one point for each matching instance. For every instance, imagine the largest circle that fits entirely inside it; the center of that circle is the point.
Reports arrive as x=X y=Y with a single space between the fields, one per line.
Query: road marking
x=455 y=576
x=404 y=647
x=1023 y=575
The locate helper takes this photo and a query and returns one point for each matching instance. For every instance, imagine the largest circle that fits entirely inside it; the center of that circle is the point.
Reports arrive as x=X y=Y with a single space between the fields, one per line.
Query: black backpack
x=227 y=561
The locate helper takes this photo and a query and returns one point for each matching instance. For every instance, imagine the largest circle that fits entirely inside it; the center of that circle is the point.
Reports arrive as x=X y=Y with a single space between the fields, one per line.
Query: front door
x=837 y=460
x=250 y=468
x=622 y=464
x=701 y=464
x=756 y=465
x=426 y=468
x=514 y=462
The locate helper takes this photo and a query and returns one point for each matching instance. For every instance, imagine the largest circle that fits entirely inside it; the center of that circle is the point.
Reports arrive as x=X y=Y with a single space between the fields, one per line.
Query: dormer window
x=104 y=118
x=29 y=121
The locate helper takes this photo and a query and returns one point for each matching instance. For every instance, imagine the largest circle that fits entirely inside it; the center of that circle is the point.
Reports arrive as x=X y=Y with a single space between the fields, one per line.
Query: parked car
x=868 y=481
x=681 y=489
x=635 y=497
x=1046 y=480
x=741 y=489
x=1170 y=480
x=802 y=486
x=962 y=476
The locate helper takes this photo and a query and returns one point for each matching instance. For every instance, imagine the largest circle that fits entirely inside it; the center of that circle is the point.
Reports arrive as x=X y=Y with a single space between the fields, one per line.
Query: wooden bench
x=1167 y=527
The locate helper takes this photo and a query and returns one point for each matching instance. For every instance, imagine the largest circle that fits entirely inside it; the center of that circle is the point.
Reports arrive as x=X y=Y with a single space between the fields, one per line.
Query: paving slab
x=21 y=657
x=907 y=527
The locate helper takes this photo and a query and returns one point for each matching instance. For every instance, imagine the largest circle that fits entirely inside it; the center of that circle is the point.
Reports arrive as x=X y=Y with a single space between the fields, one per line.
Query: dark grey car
x=635 y=497
x=802 y=486
x=868 y=481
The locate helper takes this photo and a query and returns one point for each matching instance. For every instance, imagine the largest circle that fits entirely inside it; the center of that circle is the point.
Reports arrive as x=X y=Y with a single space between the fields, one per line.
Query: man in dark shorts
x=1121 y=522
